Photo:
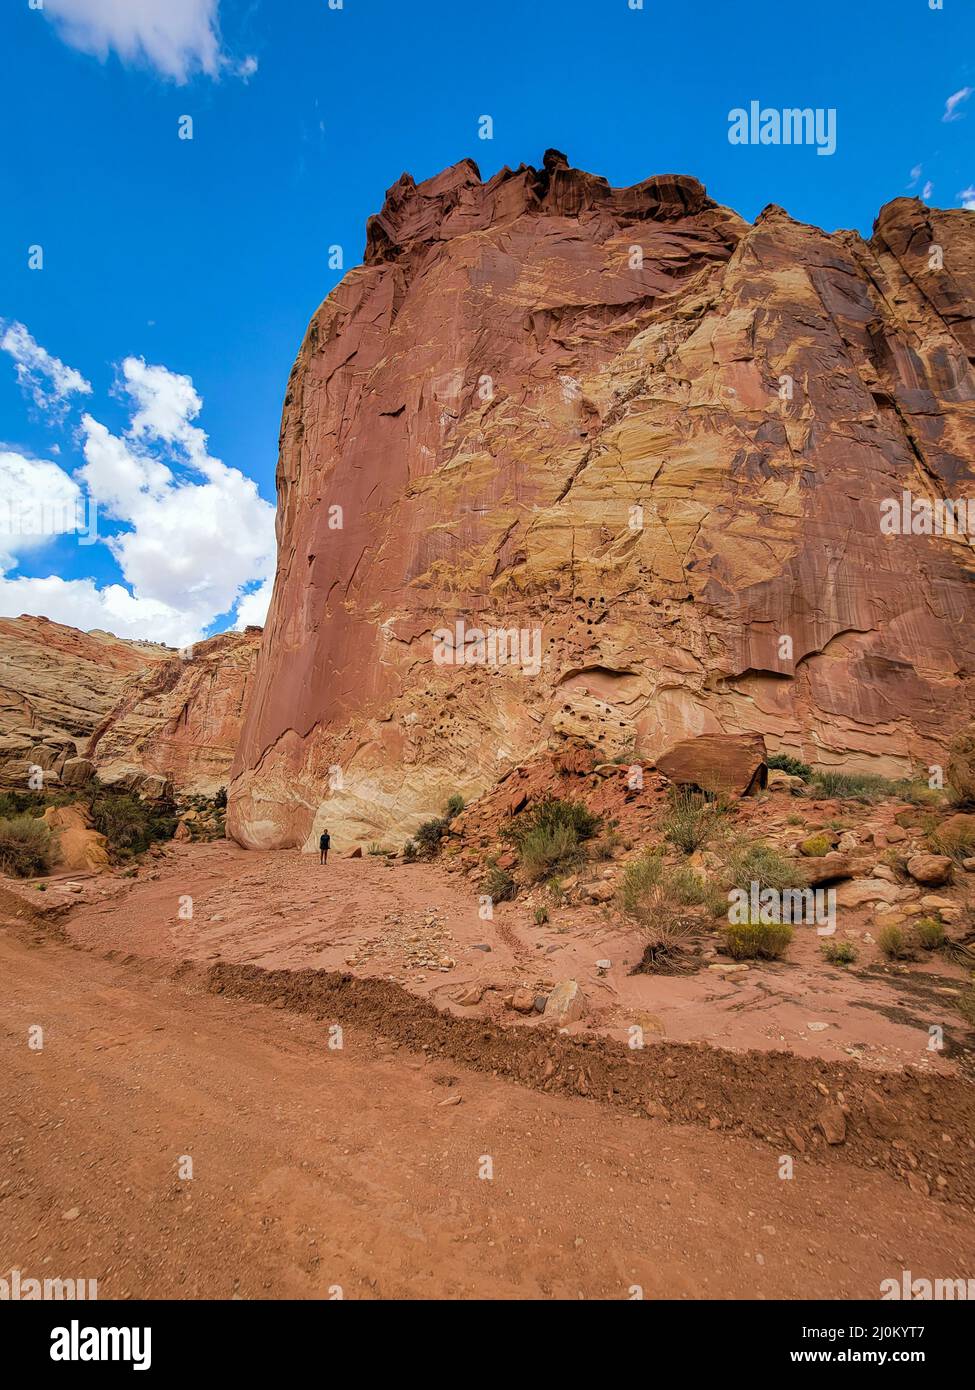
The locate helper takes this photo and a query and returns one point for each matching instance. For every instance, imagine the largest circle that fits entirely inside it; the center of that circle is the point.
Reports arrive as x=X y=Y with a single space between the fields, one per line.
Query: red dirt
x=316 y=1168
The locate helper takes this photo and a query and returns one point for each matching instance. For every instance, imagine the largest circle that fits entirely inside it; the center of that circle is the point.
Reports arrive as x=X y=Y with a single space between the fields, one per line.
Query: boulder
x=865 y=890
x=77 y=772
x=728 y=764
x=930 y=869
x=566 y=1004
x=80 y=847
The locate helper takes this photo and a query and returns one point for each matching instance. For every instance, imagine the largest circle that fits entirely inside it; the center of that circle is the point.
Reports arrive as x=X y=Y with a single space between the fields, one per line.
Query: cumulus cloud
x=967 y=196
x=38 y=500
x=81 y=603
x=193 y=538
x=179 y=38
x=43 y=377
x=954 y=101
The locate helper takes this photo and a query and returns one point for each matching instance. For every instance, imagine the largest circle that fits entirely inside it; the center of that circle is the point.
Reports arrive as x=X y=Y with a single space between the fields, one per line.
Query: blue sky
x=204 y=259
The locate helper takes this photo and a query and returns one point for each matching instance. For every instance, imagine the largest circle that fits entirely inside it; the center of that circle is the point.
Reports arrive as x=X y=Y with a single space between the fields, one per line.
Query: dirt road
x=362 y=1168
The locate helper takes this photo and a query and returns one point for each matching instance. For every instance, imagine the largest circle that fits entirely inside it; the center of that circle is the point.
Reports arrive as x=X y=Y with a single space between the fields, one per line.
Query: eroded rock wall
x=648 y=433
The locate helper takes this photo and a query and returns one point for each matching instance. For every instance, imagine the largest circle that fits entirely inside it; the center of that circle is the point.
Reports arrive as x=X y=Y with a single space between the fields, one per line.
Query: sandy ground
x=417 y=926
x=318 y=1169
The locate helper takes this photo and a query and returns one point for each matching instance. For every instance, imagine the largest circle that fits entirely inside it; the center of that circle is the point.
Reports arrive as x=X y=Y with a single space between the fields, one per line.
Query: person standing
x=323 y=845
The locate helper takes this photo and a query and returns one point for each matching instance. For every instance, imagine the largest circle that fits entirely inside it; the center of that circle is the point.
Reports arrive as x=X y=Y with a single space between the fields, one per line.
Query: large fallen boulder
x=80 y=847
x=728 y=764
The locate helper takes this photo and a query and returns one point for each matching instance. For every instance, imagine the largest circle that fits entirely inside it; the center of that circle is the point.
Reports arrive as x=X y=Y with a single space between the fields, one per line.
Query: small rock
x=566 y=1004
x=930 y=869
x=832 y=1122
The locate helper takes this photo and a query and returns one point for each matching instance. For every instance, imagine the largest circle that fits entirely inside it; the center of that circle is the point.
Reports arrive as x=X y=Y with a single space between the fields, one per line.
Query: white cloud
x=196 y=536
x=927 y=190
x=915 y=175
x=81 y=603
x=44 y=378
x=954 y=101
x=252 y=608
x=177 y=37
x=38 y=501
x=967 y=196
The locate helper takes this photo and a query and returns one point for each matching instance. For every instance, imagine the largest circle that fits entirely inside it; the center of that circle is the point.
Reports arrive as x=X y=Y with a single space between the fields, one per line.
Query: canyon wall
x=126 y=709
x=655 y=437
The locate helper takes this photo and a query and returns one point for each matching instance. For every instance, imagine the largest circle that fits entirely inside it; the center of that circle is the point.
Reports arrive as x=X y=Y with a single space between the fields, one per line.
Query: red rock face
x=133 y=709
x=652 y=438
x=181 y=719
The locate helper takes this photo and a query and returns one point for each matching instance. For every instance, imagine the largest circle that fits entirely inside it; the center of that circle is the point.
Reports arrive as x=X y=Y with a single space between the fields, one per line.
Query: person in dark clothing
x=323 y=845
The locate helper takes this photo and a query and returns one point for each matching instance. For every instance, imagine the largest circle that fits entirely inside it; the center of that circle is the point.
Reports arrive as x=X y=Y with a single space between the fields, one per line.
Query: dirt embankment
x=917 y=1127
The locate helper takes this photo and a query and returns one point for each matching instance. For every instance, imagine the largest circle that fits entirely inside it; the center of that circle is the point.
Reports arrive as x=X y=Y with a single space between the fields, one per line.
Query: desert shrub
x=916 y=791
x=637 y=881
x=26 y=847
x=895 y=860
x=956 y=841
x=816 y=846
x=793 y=820
x=499 y=885
x=757 y=940
x=454 y=806
x=691 y=820
x=929 y=933
x=428 y=836
x=220 y=798
x=686 y=888
x=129 y=825
x=375 y=848
x=546 y=849
x=859 y=786
x=410 y=852
x=754 y=861
x=552 y=813
x=556 y=891
x=840 y=952
x=893 y=941
x=541 y=916
x=784 y=762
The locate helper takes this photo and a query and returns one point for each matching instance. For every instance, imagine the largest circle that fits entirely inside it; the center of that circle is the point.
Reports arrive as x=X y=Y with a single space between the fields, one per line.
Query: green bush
x=499 y=885
x=541 y=916
x=637 y=881
x=816 y=846
x=858 y=786
x=784 y=762
x=410 y=852
x=552 y=813
x=454 y=806
x=756 y=862
x=929 y=933
x=894 y=943
x=429 y=835
x=757 y=940
x=26 y=846
x=129 y=825
x=546 y=849
x=686 y=888
x=840 y=952
x=691 y=820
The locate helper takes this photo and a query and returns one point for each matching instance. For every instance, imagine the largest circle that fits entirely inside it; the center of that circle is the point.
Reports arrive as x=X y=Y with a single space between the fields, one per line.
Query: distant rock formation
x=647 y=442
x=140 y=714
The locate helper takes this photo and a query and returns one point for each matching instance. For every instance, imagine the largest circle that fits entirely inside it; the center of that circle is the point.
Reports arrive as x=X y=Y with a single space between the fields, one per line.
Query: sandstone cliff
x=654 y=433
x=71 y=702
